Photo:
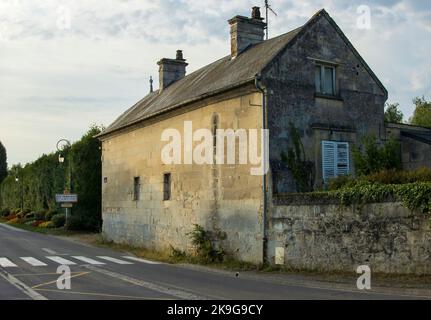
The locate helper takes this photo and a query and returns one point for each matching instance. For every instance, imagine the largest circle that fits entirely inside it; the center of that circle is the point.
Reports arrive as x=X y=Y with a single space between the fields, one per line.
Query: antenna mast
x=267 y=9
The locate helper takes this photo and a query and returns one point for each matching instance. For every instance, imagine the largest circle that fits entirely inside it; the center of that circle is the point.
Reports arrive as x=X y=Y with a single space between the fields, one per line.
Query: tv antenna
x=267 y=9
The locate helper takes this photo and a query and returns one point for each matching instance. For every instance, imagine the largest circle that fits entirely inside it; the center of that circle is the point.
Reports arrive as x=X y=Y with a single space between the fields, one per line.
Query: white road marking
x=114 y=260
x=152 y=286
x=21 y=286
x=34 y=262
x=141 y=260
x=88 y=260
x=61 y=260
x=49 y=251
x=6 y=263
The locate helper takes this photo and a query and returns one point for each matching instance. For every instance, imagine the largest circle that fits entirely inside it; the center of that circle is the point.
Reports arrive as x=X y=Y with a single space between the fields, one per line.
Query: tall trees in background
x=422 y=114
x=45 y=177
x=3 y=167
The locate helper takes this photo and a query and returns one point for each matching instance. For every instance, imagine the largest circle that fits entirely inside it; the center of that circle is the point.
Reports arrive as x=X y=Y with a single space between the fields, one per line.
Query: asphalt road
x=29 y=262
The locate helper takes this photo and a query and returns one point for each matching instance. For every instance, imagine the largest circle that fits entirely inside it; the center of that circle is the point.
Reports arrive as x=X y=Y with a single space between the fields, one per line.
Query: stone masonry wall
x=385 y=236
x=218 y=197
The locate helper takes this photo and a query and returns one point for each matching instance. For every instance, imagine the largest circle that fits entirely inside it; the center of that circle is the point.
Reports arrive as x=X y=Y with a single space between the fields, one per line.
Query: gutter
x=263 y=90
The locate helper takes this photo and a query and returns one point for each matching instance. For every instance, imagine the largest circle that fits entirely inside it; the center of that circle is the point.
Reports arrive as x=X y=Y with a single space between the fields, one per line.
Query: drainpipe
x=262 y=89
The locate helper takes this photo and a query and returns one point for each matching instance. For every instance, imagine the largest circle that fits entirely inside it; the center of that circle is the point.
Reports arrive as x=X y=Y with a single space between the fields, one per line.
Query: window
x=166 y=186
x=136 y=188
x=335 y=159
x=325 y=79
x=214 y=131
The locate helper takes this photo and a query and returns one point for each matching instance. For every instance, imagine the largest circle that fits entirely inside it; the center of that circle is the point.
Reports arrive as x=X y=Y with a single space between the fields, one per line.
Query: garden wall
x=326 y=236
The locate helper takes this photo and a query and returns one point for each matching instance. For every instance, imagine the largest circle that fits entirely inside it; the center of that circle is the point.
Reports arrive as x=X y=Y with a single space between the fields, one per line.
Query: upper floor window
x=325 y=76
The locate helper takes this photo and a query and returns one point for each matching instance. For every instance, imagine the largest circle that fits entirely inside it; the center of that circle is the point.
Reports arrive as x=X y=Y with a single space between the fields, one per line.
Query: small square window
x=136 y=188
x=166 y=186
x=325 y=79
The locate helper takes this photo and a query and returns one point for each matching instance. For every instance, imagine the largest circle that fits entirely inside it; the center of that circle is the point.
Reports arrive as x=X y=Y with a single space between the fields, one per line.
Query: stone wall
x=217 y=197
x=356 y=111
x=386 y=236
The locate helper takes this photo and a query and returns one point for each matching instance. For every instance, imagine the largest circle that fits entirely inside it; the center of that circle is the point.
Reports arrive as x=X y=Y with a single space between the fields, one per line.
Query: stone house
x=311 y=77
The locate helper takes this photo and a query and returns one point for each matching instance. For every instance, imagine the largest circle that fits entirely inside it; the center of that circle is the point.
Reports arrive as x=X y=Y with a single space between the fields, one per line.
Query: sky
x=68 y=64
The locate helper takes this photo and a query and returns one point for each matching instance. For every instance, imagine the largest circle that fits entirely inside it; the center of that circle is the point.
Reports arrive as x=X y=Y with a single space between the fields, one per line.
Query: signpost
x=66 y=201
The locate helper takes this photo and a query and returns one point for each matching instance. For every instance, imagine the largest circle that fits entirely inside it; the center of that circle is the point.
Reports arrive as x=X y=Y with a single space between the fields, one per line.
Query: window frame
x=322 y=66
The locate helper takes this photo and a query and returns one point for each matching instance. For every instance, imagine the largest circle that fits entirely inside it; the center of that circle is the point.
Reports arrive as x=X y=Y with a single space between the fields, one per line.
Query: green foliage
x=3 y=163
x=202 y=241
x=41 y=180
x=301 y=169
x=375 y=157
x=422 y=114
x=59 y=220
x=393 y=114
x=414 y=196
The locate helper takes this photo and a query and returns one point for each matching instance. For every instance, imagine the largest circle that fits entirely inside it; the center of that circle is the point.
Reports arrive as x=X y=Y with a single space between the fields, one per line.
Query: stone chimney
x=246 y=31
x=171 y=70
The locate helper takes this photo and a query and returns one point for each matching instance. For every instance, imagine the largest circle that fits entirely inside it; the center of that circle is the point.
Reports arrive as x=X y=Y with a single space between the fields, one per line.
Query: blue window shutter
x=328 y=160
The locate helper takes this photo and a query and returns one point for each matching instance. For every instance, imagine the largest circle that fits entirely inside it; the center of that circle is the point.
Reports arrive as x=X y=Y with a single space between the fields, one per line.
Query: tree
x=422 y=114
x=376 y=157
x=393 y=114
x=3 y=168
x=3 y=163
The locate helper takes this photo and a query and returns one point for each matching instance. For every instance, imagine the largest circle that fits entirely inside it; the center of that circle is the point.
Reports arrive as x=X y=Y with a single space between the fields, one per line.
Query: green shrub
x=4 y=212
x=414 y=196
x=49 y=214
x=376 y=157
x=59 y=220
x=205 y=250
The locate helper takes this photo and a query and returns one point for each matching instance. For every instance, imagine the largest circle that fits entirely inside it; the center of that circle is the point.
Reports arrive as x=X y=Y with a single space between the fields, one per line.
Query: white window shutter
x=328 y=160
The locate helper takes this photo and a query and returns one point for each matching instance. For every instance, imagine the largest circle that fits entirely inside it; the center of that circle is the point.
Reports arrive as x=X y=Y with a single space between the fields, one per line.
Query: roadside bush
x=37 y=223
x=49 y=214
x=205 y=250
x=4 y=212
x=14 y=220
x=59 y=220
x=46 y=224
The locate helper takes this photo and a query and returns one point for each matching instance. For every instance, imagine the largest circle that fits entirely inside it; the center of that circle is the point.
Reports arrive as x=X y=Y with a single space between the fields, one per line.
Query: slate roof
x=422 y=136
x=214 y=78
x=218 y=77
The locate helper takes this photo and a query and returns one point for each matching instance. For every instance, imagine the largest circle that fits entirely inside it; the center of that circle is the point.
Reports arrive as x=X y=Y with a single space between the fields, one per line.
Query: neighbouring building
x=311 y=77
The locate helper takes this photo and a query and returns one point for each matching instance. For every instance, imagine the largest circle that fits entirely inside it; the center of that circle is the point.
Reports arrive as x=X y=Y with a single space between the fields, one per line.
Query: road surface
x=29 y=262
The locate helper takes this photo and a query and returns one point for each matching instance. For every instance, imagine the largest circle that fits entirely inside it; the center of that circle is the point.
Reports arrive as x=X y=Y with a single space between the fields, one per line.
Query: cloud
x=67 y=64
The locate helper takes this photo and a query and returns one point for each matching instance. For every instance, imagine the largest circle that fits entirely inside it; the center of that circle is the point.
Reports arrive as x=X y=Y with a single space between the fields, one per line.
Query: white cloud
x=55 y=80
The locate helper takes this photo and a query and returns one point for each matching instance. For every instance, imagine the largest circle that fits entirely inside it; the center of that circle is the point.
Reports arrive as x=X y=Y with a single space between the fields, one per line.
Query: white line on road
x=34 y=262
x=49 y=251
x=61 y=260
x=114 y=260
x=6 y=263
x=88 y=260
x=141 y=260
x=152 y=286
x=12 y=228
x=21 y=286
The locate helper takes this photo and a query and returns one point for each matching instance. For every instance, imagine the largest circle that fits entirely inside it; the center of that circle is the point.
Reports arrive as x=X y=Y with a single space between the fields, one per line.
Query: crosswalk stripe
x=6 y=263
x=61 y=260
x=141 y=260
x=88 y=260
x=33 y=261
x=114 y=260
